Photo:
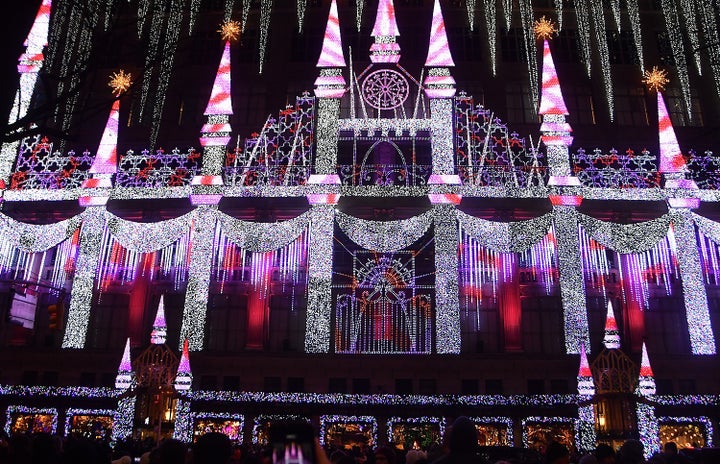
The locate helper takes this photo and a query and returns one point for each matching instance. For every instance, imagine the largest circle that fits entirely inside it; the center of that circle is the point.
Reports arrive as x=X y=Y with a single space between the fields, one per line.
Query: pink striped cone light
x=124 y=377
x=551 y=99
x=183 y=379
x=612 y=334
x=220 y=102
x=106 y=159
x=36 y=39
x=385 y=49
x=671 y=159
x=585 y=380
x=438 y=51
x=159 y=331
x=385 y=24
x=332 y=53
x=646 y=381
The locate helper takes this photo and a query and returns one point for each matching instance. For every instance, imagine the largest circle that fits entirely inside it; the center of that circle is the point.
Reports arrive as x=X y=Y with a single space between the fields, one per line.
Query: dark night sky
x=18 y=18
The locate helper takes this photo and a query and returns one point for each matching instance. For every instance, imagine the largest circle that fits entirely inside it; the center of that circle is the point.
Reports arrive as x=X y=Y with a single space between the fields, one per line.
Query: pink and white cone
x=331 y=55
x=646 y=383
x=183 y=379
x=585 y=380
x=106 y=159
x=671 y=159
x=612 y=334
x=331 y=83
x=551 y=99
x=385 y=49
x=438 y=50
x=124 y=378
x=31 y=60
x=159 y=332
x=220 y=102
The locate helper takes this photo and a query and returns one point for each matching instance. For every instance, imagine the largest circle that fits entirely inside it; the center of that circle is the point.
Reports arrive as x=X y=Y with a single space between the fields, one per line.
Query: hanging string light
x=491 y=24
x=583 y=24
x=526 y=20
x=672 y=23
x=598 y=17
x=559 y=12
x=265 y=10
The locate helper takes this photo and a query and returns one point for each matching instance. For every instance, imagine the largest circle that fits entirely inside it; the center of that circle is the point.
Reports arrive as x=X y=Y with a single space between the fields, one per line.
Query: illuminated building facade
x=382 y=252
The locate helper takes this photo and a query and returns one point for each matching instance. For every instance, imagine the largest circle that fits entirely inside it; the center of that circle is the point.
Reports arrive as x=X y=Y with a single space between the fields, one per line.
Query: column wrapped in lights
x=329 y=88
x=123 y=418
x=183 y=429
x=200 y=269
x=647 y=422
x=91 y=234
x=320 y=260
x=697 y=312
x=585 y=426
x=447 y=296
x=572 y=284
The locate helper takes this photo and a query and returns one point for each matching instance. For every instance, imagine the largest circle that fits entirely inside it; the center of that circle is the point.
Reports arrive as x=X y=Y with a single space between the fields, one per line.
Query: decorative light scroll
x=488 y=154
x=506 y=237
x=384 y=311
x=704 y=169
x=627 y=238
x=384 y=236
x=281 y=153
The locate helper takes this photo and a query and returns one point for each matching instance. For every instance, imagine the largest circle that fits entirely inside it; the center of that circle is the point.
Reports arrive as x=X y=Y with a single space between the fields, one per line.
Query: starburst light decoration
x=120 y=82
x=230 y=30
x=656 y=79
x=544 y=28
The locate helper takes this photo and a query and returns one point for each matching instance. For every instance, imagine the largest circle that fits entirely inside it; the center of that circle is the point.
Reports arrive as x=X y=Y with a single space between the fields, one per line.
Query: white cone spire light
x=671 y=158
x=220 y=102
x=330 y=83
x=385 y=49
x=439 y=83
x=586 y=386
x=183 y=379
x=159 y=332
x=612 y=334
x=646 y=383
x=124 y=378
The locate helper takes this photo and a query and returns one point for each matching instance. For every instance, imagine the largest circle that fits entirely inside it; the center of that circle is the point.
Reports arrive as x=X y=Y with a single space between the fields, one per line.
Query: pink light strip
x=438 y=49
x=106 y=159
x=220 y=99
x=332 y=53
x=671 y=159
x=551 y=99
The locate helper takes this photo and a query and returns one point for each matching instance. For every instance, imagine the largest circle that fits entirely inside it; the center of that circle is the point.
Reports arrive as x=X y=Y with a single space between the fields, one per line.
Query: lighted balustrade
x=157 y=169
x=39 y=167
x=410 y=175
x=616 y=169
x=504 y=176
x=275 y=176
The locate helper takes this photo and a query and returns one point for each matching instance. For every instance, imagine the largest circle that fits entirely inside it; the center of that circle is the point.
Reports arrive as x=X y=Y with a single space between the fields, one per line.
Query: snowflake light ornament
x=656 y=79
x=120 y=82
x=230 y=31
x=544 y=28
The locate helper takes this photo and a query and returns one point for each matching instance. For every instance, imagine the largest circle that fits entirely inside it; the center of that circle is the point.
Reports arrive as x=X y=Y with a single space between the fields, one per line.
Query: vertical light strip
x=527 y=21
x=470 y=7
x=507 y=11
x=91 y=235
x=702 y=340
x=447 y=306
x=572 y=284
x=598 y=19
x=634 y=14
x=265 y=10
x=491 y=24
x=183 y=430
x=672 y=24
x=690 y=17
x=583 y=25
x=559 y=12
x=320 y=262
x=198 y=286
x=710 y=31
